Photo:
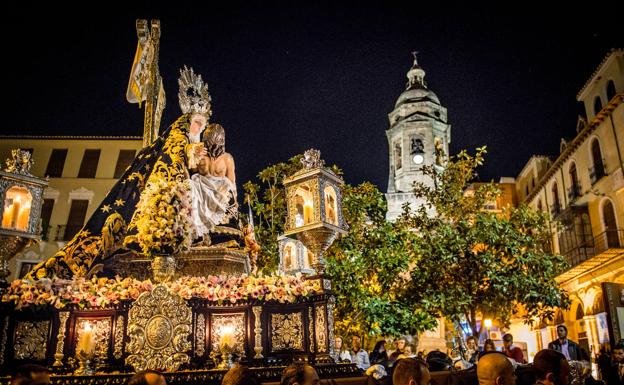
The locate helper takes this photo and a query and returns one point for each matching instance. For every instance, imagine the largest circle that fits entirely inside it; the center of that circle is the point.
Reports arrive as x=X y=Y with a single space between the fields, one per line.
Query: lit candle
x=227 y=337
x=307 y=212
x=86 y=343
x=7 y=216
x=23 y=216
x=17 y=204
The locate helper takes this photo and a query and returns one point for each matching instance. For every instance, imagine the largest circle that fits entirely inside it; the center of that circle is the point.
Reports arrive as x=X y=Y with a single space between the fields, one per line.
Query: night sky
x=287 y=77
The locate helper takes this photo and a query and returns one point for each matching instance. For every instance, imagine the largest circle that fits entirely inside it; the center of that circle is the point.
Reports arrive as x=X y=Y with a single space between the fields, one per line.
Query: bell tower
x=419 y=132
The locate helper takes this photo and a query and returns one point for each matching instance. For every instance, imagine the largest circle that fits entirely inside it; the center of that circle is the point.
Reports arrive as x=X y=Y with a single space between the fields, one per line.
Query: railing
x=555 y=209
x=53 y=232
x=574 y=192
x=608 y=239
x=597 y=171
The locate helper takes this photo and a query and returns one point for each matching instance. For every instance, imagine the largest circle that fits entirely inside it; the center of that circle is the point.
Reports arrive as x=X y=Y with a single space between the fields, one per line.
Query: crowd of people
x=556 y=365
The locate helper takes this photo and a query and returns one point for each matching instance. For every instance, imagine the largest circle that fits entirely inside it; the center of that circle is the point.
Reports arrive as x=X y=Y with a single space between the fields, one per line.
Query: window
x=123 y=161
x=77 y=214
x=610 y=90
x=539 y=205
x=575 y=188
x=556 y=206
x=398 y=163
x=610 y=224
x=598 y=171
x=597 y=105
x=56 y=163
x=89 y=164
x=46 y=214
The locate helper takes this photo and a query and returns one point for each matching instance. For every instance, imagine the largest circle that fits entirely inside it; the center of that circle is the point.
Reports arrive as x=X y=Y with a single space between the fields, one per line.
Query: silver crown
x=193 y=94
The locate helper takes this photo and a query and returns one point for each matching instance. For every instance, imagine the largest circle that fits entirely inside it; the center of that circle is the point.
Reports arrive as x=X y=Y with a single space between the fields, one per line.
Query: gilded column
x=60 y=338
x=257 y=310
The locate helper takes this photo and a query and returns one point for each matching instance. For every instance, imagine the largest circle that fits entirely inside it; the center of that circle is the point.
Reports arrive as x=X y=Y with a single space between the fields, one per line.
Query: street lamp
x=488 y=324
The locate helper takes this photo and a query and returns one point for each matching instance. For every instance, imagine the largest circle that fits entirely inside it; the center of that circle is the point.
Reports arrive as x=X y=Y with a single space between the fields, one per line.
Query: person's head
x=408 y=349
x=32 y=374
x=471 y=342
x=438 y=361
x=239 y=375
x=299 y=373
x=400 y=344
x=338 y=343
x=562 y=332
x=617 y=353
x=411 y=371
x=198 y=123
x=551 y=367
x=489 y=346
x=214 y=140
x=494 y=368
x=380 y=346
x=147 y=377
x=507 y=340
x=356 y=343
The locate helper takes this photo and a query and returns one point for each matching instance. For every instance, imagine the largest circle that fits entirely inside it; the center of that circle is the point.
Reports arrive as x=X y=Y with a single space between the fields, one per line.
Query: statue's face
x=198 y=123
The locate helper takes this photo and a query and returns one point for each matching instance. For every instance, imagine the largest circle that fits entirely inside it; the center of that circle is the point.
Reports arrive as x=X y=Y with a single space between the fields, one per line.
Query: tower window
x=597 y=105
x=398 y=163
x=610 y=90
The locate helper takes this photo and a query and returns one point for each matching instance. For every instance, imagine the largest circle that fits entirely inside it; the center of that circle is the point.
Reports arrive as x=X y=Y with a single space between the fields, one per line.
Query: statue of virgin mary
x=180 y=156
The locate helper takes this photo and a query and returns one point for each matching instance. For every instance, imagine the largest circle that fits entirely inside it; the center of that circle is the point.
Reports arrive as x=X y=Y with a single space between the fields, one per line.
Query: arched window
x=556 y=206
x=597 y=105
x=610 y=224
x=579 y=312
x=539 y=205
x=598 y=171
x=575 y=188
x=610 y=90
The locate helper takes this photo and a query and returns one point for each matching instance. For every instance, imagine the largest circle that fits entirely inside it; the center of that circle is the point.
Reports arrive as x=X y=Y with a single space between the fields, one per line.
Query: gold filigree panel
x=200 y=335
x=321 y=330
x=287 y=331
x=159 y=324
x=31 y=340
x=101 y=334
x=236 y=321
x=119 y=337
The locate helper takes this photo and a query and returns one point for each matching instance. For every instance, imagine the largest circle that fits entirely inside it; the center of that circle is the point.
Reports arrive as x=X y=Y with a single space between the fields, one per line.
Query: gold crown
x=193 y=95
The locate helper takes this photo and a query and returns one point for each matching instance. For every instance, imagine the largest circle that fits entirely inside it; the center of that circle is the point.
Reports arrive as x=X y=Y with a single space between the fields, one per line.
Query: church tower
x=418 y=132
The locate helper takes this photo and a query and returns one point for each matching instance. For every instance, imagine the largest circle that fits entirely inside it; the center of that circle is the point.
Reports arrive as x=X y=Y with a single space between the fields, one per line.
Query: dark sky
x=287 y=77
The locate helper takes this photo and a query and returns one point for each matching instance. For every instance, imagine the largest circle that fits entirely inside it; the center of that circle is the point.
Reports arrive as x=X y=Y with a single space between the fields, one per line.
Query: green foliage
x=473 y=262
x=366 y=268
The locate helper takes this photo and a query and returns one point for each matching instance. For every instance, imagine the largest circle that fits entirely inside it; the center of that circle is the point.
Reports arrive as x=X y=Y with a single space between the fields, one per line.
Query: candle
x=17 y=204
x=23 y=216
x=86 y=343
x=227 y=337
x=307 y=212
x=7 y=216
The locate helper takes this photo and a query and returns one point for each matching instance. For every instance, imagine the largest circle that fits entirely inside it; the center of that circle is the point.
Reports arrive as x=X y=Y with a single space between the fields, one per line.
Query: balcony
x=53 y=233
x=610 y=239
x=574 y=192
x=596 y=172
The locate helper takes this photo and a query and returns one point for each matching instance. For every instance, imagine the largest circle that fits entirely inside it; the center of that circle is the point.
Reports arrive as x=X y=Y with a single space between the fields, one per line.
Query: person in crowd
x=489 y=346
x=31 y=374
x=511 y=350
x=358 y=355
x=411 y=371
x=239 y=375
x=379 y=355
x=473 y=350
x=551 y=368
x=341 y=353
x=300 y=373
x=494 y=368
x=438 y=361
x=393 y=355
x=570 y=349
x=615 y=374
x=148 y=377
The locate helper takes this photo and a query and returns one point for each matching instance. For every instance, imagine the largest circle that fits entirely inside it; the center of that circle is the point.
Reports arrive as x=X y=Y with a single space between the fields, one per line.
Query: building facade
x=583 y=190
x=419 y=135
x=81 y=171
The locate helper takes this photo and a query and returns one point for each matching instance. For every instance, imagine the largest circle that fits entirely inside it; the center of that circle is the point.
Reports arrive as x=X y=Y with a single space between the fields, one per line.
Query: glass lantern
x=21 y=194
x=314 y=205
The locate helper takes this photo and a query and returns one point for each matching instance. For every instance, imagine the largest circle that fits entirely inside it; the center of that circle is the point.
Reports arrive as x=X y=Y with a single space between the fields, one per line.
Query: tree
x=470 y=262
x=366 y=267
